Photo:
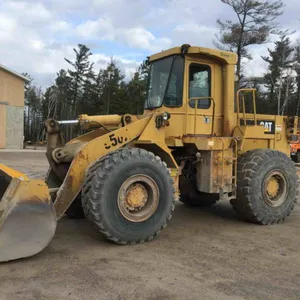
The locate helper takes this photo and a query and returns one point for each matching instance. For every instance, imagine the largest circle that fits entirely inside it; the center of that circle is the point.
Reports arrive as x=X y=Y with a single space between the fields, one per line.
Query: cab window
x=173 y=95
x=199 y=85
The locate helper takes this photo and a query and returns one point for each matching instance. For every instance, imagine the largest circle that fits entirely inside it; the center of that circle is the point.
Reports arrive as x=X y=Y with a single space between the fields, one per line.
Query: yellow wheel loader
x=198 y=141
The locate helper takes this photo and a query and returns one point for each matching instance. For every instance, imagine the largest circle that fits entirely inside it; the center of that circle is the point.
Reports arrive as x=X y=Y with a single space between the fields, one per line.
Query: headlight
x=162 y=120
x=166 y=116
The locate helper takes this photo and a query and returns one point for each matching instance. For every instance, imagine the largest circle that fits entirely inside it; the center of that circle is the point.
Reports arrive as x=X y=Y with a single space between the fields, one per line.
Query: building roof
x=13 y=73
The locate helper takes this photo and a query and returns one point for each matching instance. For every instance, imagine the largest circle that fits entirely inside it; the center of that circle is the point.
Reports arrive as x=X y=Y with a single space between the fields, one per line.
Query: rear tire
x=267 y=187
x=128 y=196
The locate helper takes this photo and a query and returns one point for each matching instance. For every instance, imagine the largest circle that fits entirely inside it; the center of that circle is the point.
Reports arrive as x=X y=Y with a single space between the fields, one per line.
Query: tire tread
x=248 y=167
x=92 y=192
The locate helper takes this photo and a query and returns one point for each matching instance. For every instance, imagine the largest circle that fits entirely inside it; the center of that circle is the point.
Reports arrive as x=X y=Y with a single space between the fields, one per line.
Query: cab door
x=201 y=99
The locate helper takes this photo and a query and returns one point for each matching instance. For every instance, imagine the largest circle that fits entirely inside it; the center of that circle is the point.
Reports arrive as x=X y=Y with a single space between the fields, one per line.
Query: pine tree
x=137 y=88
x=112 y=80
x=82 y=70
x=278 y=79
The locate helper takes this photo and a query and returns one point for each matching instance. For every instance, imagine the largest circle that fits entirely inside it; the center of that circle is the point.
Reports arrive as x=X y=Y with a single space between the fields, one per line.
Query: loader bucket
x=27 y=215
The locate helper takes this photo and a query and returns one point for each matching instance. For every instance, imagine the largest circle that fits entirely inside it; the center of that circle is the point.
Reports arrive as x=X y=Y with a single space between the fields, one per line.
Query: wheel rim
x=275 y=188
x=138 y=198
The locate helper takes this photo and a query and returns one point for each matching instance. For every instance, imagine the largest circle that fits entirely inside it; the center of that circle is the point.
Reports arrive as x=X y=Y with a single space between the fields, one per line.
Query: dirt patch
x=202 y=254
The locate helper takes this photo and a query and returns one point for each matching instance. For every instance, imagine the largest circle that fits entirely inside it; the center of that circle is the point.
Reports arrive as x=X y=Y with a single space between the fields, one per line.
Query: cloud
x=98 y=29
x=36 y=35
x=257 y=66
x=128 y=66
x=135 y=37
x=141 y=38
x=40 y=51
x=60 y=26
x=34 y=11
x=194 y=34
x=7 y=25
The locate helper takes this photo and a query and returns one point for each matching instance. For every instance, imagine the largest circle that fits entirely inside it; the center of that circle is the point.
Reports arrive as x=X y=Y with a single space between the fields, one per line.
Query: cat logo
x=267 y=125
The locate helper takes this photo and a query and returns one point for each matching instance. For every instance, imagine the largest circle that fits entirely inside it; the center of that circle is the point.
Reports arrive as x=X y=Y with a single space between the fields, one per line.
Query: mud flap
x=27 y=218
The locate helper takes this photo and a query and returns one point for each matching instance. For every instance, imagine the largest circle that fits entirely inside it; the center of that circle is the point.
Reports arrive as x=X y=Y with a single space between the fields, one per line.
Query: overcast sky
x=35 y=36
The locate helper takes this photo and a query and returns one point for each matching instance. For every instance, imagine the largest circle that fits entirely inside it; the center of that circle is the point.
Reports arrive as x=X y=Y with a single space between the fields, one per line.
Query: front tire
x=267 y=187
x=128 y=196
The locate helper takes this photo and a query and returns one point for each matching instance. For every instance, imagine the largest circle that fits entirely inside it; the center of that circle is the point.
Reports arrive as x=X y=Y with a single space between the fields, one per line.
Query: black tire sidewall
x=111 y=215
x=285 y=166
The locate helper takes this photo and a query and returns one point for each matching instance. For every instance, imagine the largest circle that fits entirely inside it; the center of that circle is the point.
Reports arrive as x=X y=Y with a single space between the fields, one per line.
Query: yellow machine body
x=217 y=127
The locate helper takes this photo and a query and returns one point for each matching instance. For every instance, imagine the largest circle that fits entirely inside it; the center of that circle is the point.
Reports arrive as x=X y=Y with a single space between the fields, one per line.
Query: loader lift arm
x=87 y=155
x=94 y=145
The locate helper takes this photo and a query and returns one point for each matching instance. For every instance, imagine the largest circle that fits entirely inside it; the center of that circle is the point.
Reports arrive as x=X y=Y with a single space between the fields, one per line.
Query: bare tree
x=255 y=21
x=288 y=82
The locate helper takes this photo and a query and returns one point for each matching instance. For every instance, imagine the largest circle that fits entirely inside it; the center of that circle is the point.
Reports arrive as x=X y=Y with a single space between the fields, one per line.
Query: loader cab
x=166 y=82
x=194 y=85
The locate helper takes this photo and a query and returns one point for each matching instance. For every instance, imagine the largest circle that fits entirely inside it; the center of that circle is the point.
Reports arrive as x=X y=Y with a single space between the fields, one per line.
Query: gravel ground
x=202 y=254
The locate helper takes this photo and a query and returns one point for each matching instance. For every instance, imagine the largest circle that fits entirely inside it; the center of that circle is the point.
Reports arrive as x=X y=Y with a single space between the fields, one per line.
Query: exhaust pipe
x=68 y=122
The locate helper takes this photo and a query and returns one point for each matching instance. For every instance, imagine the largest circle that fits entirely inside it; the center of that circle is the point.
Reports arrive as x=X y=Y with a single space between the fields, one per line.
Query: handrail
x=244 y=109
x=195 y=111
x=243 y=104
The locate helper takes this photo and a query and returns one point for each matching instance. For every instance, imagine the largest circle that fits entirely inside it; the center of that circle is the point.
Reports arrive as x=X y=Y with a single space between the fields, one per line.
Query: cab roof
x=226 y=57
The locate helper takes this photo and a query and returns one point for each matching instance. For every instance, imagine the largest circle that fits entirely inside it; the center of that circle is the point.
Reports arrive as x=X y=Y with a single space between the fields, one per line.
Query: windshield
x=165 y=82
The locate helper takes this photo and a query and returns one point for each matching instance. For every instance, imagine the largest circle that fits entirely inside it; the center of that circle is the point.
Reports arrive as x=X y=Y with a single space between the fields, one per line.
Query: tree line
x=83 y=89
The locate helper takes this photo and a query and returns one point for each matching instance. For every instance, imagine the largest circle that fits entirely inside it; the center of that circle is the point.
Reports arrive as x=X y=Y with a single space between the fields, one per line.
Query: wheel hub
x=275 y=188
x=138 y=198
